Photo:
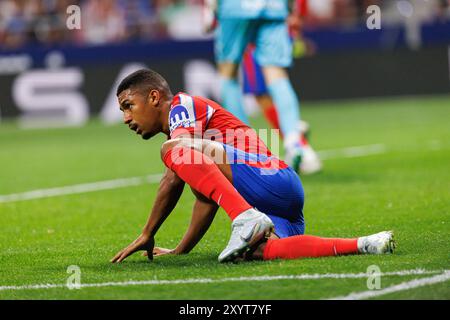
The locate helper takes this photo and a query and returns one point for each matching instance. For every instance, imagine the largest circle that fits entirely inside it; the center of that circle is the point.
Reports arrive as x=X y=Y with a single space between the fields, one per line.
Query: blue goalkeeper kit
x=262 y=23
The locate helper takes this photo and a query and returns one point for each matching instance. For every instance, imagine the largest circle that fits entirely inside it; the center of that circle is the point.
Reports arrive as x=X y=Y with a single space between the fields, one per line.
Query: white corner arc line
x=80 y=188
x=219 y=280
x=416 y=283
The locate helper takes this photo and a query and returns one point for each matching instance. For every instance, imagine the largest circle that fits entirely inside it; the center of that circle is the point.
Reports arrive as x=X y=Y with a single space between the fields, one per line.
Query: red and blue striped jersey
x=203 y=118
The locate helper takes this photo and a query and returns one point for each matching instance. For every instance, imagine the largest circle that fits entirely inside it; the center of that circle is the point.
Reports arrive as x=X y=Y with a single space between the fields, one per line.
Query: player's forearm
x=169 y=192
x=202 y=216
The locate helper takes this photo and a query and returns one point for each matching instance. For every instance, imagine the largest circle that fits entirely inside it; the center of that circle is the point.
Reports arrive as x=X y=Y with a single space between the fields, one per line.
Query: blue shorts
x=278 y=194
x=271 y=37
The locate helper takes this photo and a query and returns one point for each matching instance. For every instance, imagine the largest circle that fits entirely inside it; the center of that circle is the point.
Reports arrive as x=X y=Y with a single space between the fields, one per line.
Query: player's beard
x=147 y=135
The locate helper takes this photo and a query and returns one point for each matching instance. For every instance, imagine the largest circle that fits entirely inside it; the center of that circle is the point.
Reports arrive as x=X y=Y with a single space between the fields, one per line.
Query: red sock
x=202 y=174
x=272 y=117
x=308 y=246
x=303 y=140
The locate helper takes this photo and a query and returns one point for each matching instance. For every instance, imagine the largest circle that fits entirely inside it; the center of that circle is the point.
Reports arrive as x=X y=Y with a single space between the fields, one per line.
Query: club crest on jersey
x=180 y=117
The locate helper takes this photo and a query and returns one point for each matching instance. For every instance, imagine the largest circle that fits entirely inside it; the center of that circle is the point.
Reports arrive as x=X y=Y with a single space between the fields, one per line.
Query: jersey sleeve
x=302 y=8
x=189 y=115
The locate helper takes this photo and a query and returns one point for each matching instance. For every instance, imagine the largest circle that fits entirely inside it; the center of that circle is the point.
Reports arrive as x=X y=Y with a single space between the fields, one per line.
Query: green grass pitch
x=404 y=188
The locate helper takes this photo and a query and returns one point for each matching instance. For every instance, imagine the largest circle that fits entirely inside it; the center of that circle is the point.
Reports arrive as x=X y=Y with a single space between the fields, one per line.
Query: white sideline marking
x=352 y=152
x=80 y=188
x=349 y=152
x=396 y=288
x=221 y=280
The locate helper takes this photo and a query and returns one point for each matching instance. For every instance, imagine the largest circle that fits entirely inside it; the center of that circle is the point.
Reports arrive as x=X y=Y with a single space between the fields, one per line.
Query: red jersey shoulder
x=189 y=112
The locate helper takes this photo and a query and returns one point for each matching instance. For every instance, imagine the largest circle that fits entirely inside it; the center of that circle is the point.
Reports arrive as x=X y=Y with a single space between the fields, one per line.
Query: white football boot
x=293 y=157
x=299 y=154
x=303 y=126
x=293 y=151
x=310 y=162
x=379 y=243
x=247 y=229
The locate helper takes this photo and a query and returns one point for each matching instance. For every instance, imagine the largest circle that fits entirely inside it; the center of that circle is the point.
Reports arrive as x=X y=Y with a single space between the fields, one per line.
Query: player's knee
x=274 y=73
x=199 y=196
x=228 y=70
x=167 y=146
x=173 y=143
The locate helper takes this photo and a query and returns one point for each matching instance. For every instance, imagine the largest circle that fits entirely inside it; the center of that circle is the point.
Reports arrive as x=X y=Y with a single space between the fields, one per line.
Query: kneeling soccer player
x=226 y=164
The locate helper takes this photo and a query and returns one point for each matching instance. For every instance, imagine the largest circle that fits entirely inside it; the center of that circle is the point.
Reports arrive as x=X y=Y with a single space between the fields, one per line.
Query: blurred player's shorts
x=271 y=37
x=253 y=78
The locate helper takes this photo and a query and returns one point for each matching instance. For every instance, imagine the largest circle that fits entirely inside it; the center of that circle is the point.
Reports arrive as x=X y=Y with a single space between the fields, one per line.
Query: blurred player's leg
x=271 y=114
x=288 y=111
x=274 y=54
x=310 y=162
x=232 y=37
x=230 y=90
x=269 y=110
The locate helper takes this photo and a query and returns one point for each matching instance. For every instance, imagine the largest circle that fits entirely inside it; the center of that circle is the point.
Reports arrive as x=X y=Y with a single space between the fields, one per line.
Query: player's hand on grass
x=143 y=242
x=157 y=251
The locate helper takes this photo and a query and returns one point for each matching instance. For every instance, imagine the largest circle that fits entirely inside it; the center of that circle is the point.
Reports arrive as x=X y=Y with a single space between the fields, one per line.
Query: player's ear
x=154 y=97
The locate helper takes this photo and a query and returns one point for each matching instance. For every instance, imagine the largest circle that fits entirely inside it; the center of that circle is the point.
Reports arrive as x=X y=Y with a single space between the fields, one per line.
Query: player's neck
x=165 y=115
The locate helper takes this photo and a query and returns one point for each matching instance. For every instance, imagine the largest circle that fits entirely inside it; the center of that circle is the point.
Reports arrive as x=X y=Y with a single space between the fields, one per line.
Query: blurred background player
x=264 y=26
x=254 y=83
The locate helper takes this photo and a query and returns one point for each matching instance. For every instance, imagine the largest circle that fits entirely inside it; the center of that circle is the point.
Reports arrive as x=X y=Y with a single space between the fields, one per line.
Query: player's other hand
x=143 y=242
x=157 y=251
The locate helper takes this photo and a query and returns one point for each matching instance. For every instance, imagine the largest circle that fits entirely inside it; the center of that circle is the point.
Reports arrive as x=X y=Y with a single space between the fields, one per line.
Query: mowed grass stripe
x=348 y=152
